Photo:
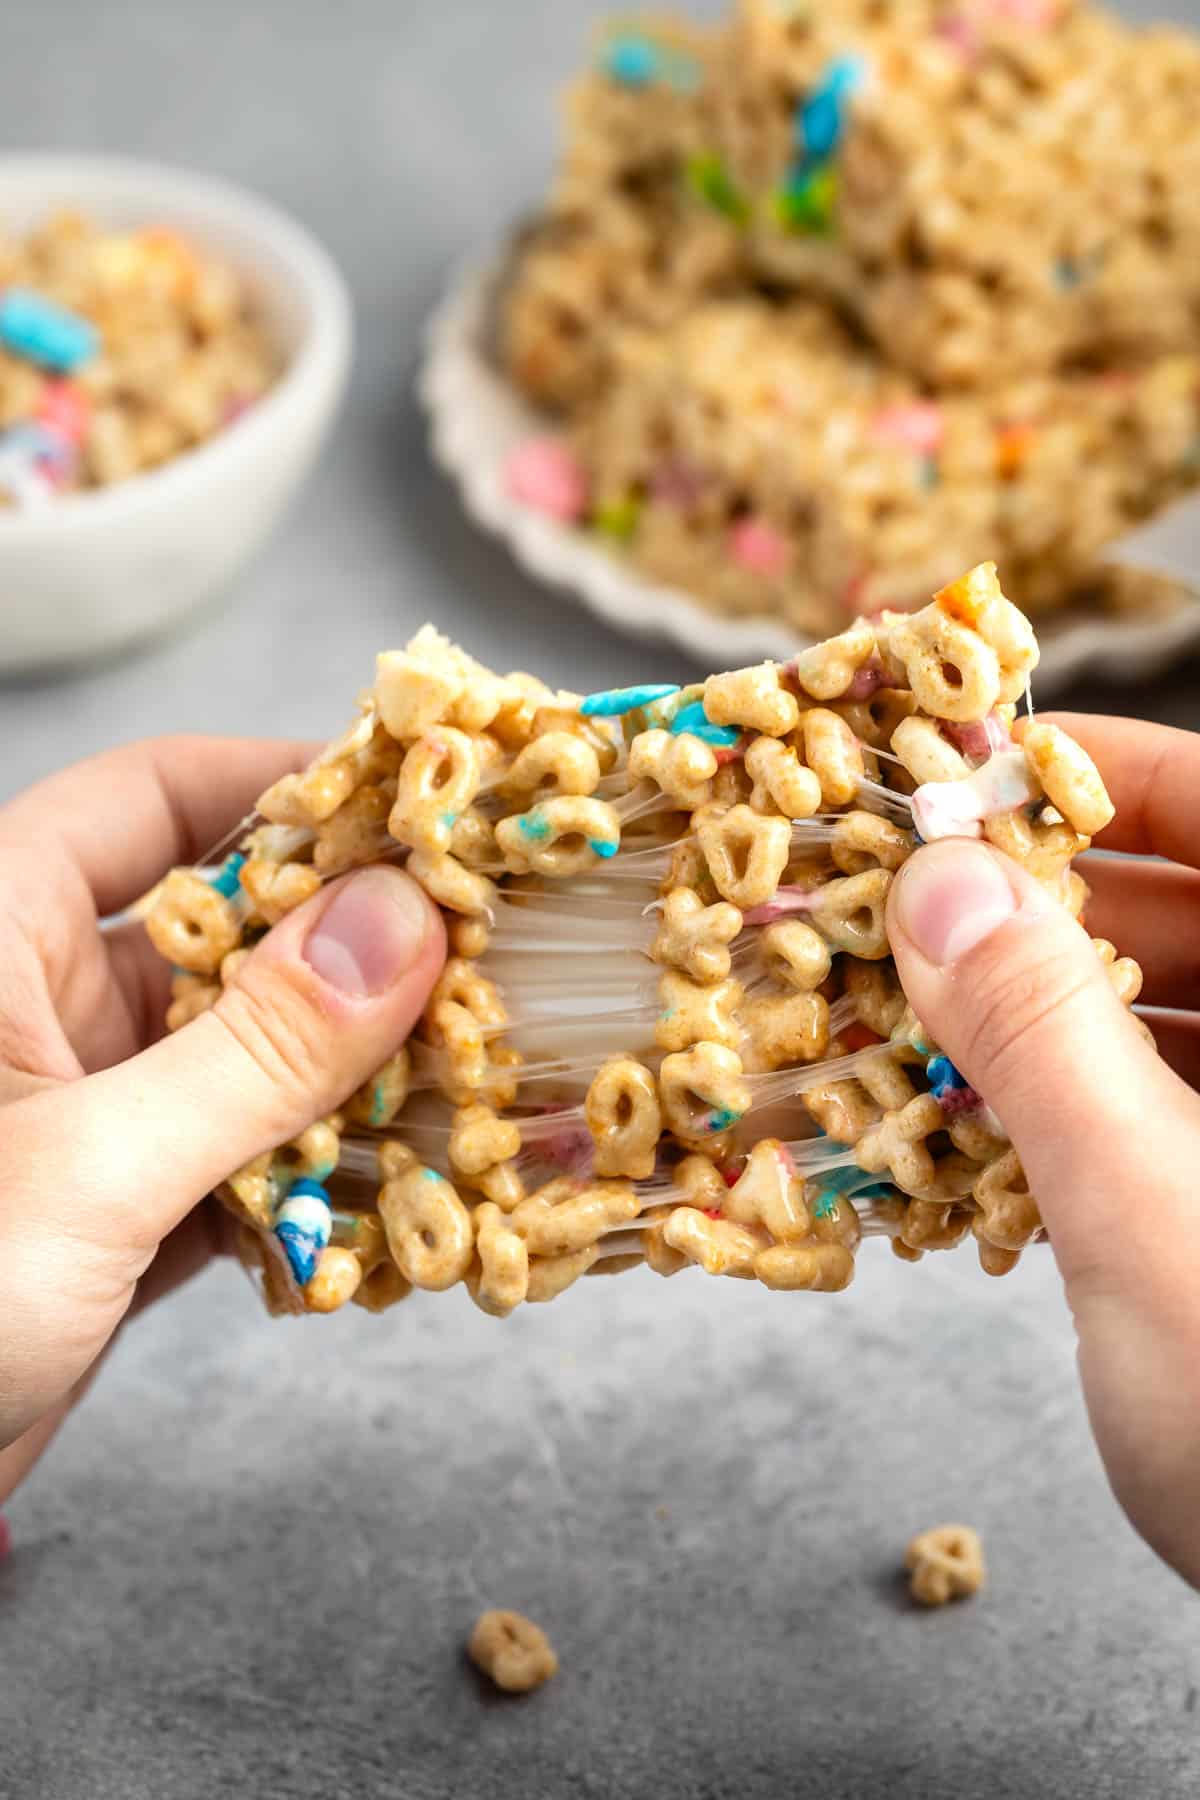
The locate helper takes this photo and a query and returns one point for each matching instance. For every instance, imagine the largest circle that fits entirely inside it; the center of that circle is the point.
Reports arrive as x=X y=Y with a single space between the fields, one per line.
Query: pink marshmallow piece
x=759 y=547
x=543 y=474
x=1039 y=15
x=958 y=31
x=919 y=427
x=5 y=1538
x=981 y=738
x=786 y=900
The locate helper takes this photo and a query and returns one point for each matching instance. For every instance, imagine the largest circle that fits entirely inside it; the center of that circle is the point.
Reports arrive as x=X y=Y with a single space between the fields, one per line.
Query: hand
x=1109 y=1135
x=113 y=1134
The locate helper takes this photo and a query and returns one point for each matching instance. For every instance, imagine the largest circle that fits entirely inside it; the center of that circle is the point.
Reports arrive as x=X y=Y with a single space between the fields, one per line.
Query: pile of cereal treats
x=833 y=300
x=670 y=1030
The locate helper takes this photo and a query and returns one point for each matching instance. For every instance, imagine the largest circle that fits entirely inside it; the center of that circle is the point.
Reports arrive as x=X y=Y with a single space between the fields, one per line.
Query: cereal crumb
x=945 y=1563
x=512 y=1651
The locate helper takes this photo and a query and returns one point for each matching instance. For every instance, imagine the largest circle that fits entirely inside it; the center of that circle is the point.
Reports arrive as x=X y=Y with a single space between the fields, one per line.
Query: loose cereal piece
x=946 y=1563
x=624 y=1118
x=754 y=699
x=512 y=1651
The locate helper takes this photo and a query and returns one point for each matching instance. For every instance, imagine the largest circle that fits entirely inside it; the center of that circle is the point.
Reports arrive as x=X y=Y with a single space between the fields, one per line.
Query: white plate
x=477 y=418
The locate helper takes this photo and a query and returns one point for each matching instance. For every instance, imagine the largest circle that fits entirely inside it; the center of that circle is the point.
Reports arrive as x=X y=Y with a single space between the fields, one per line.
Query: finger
x=326 y=998
x=1150 y=911
x=1152 y=773
x=129 y=815
x=1177 y=1036
x=1008 y=984
x=207 y=1232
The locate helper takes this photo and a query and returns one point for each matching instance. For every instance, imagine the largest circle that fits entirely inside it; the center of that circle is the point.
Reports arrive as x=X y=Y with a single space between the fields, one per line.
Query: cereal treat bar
x=763 y=461
x=833 y=301
x=636 y=227
x=118 y=351
x=990 y=185
x=670 y=1030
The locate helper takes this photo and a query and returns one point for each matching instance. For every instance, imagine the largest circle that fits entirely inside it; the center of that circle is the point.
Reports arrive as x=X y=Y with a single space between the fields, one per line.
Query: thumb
x=325 y=999
x=1009 y=985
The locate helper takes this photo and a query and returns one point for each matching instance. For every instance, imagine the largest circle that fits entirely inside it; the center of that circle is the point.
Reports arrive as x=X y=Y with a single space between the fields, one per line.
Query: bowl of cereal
x=172 y=354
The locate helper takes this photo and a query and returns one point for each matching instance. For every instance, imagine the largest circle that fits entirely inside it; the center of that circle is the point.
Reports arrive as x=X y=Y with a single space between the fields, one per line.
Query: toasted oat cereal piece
x=512 y=1651
x=945 y=1563
x=754 y=699
x=1069 y=776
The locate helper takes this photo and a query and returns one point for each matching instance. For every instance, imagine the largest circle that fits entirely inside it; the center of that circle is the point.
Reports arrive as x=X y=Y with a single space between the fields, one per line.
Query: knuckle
x=274 y=1026
x=1016 y=1008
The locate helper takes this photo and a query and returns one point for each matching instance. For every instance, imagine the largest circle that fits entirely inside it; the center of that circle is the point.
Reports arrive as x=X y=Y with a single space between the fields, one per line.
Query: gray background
x=249 y=1564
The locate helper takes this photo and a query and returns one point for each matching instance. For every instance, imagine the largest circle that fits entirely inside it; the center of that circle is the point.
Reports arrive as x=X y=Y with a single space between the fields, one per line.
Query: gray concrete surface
x=249 y=1564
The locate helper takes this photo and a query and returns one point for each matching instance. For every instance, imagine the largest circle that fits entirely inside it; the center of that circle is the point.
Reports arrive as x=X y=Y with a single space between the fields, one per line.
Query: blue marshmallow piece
x=303 y=1226
x=633 y=61
x=695 y=722
x=227 y=879
x=944 y=1078
x=44 y=333
x=612 y=702
x=821 y=119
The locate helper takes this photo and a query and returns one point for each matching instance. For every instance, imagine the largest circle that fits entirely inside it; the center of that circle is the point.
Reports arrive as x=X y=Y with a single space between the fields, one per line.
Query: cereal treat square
x=637 y=224
x=762 y=460
x=991 y=186
x=670 y=1029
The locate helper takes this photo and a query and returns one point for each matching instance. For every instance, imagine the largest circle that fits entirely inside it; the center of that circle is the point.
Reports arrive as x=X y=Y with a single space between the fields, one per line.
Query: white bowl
x=103 y=568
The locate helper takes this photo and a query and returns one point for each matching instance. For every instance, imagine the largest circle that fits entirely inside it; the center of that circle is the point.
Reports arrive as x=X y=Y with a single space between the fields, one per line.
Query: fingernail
x=951 y=897
x=370 y=934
